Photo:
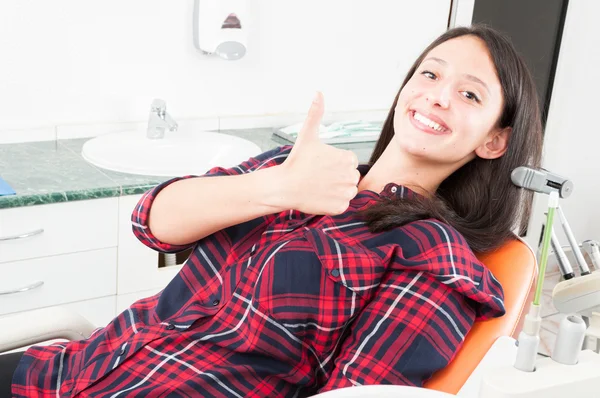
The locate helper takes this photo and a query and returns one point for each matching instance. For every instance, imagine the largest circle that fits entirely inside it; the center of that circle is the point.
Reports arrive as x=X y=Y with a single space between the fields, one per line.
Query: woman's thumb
x=310 y=128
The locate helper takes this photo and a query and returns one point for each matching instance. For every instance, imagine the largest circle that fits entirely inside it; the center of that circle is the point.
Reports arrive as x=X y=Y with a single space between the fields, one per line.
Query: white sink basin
x=177 y=154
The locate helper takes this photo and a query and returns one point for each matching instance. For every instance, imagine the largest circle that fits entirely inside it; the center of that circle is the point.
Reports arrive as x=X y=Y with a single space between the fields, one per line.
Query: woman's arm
x=317 y=179
x=183 y=210
x=191 y=209
x=311 y=177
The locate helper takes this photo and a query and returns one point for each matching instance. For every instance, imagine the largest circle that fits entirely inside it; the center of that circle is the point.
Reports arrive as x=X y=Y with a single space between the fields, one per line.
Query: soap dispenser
x=221 y=27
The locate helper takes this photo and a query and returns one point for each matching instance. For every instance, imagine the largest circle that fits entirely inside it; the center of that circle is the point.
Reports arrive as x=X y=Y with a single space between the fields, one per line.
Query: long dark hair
x=479 y=199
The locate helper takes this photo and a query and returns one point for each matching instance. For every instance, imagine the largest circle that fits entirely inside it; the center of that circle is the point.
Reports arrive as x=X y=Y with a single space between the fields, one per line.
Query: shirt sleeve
x=421 y=312
x=139 y=217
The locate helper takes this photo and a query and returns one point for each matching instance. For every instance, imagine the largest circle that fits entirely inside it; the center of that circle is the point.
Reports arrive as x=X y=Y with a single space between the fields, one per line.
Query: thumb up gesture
x=323 y=178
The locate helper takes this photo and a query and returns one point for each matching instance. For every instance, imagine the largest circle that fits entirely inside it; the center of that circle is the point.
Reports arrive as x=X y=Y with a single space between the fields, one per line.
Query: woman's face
x=448 y=111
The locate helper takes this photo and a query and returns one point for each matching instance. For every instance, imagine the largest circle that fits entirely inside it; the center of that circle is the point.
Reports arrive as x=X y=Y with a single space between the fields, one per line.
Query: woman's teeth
x=428 y=122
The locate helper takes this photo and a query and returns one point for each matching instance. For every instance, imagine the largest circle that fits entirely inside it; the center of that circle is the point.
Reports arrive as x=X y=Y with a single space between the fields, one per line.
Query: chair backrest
x=514 y=265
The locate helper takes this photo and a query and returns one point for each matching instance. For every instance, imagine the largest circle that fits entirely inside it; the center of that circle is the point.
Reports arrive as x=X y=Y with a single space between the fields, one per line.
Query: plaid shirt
x=287 y=304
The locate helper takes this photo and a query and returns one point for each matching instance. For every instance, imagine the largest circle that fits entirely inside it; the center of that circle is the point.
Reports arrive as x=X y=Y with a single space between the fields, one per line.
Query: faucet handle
x=159 y=106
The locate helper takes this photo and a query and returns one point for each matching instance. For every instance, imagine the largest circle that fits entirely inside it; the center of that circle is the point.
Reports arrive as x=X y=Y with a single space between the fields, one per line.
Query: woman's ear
x=495 y=145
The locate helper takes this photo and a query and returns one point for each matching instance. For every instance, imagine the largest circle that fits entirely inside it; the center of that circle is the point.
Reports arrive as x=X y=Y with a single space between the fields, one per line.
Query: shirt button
x=335 y=273
x=170 y=326
x=122 y=351
x=394 y=189
x=216 y=302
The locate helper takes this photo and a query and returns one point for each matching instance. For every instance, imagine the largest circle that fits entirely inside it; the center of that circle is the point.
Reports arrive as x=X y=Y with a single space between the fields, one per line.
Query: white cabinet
x=81 y=255
x=138 y=265
x=48 y=230
x=60 y=254
x=60 y=279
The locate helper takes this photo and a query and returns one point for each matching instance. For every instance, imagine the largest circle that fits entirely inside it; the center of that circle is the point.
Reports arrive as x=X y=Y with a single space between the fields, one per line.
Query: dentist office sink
x=177 y=153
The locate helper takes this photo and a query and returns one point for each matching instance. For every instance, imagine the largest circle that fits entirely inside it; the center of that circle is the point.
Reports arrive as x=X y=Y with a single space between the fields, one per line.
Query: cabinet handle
x=22 y=236
x=22 y=289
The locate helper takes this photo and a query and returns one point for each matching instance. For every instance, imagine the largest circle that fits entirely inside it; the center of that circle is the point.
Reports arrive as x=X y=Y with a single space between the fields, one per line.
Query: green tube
x=545 y=246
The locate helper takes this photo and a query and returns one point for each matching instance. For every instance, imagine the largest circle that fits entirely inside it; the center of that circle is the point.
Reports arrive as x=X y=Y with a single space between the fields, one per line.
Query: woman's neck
x=396 y=167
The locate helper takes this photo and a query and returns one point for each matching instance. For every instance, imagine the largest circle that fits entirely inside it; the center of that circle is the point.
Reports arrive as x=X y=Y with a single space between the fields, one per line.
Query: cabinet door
x=47 y=281
x=48 y=230
x=138 y=265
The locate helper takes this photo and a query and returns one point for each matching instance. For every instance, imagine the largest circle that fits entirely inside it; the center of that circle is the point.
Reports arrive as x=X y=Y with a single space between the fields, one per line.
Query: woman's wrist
x=275 y=190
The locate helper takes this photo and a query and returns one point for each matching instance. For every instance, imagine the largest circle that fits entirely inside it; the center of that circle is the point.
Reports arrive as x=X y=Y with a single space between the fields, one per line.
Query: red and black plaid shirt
x=284 y=305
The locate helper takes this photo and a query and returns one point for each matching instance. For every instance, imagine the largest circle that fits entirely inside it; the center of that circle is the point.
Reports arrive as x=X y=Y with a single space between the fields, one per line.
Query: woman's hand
x=320 y=178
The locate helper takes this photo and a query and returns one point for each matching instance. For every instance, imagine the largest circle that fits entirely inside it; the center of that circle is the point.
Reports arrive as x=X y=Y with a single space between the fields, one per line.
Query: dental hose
x=552 y=205
x=529 y=338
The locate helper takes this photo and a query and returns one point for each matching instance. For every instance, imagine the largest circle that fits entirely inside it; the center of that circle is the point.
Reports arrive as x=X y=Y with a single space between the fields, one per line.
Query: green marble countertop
x=54 y=171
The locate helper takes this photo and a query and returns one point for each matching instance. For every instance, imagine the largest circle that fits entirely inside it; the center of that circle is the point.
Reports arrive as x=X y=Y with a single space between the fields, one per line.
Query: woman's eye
x=429 y=74
x=471 y=96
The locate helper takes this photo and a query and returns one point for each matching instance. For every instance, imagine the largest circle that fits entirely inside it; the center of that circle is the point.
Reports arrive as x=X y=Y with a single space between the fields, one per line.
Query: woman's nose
x=439 y=95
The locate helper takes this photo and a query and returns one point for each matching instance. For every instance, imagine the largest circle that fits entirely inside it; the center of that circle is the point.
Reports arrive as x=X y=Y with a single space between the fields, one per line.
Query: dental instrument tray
x=338 y=132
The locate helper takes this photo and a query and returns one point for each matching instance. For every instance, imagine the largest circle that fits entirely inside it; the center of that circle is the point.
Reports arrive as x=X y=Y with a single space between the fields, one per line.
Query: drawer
x=43 y=282
x=138 y=264
x=47 y=230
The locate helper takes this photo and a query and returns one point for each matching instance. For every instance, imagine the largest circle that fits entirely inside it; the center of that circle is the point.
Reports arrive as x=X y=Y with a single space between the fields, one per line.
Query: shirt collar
x=391 y=190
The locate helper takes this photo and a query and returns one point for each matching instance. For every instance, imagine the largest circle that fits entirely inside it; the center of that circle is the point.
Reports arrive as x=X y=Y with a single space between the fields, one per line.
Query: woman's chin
x=417 y=143
x=415 y=150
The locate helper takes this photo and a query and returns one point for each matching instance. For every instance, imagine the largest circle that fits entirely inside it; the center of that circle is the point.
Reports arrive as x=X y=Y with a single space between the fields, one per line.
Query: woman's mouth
x=427 y=125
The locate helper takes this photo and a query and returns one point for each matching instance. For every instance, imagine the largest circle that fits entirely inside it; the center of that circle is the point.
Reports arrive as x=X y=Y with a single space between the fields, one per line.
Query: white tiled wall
x=82 y=67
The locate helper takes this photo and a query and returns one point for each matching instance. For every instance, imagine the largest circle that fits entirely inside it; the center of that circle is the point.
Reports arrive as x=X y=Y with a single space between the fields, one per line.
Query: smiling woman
x=466 y=115
x=446 y=96
x=288 y=290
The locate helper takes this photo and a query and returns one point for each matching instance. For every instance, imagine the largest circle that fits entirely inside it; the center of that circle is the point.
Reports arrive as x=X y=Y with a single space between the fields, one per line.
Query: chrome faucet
x=159 y=120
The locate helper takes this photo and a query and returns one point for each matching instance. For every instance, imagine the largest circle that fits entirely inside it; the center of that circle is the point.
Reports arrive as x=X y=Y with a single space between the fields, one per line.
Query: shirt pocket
x=301 y=289
x=347 y=262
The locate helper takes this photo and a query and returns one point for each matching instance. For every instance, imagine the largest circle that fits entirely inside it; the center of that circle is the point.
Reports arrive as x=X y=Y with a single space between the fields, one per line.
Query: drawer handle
x=22 y=289
x=23 y=236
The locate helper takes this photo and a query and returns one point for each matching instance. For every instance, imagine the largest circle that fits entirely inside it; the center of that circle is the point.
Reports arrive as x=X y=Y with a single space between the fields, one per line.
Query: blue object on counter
x=5 y=189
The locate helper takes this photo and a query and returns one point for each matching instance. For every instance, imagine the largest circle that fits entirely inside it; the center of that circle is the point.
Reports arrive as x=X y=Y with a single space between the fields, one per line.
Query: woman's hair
x=479 y=199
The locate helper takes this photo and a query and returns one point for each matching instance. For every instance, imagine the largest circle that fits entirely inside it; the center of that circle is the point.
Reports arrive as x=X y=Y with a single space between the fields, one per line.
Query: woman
x=310 y=272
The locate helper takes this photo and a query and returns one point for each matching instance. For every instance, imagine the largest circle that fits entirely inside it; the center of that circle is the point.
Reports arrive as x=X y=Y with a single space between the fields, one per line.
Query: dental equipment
x=543 y=181
x=529 y=338
x=573 y=242
x=561 y=258
x=570 y=370
x=592 y=248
